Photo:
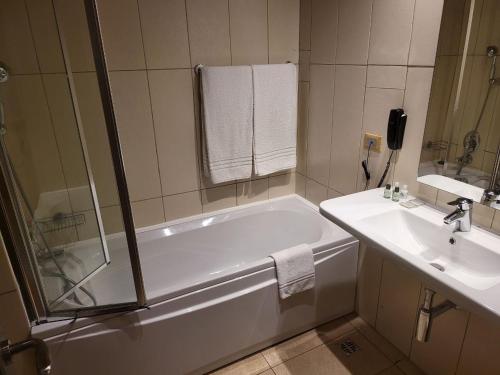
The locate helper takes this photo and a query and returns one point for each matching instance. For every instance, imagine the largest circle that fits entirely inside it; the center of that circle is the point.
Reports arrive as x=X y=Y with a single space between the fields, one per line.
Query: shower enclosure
x=63 y=192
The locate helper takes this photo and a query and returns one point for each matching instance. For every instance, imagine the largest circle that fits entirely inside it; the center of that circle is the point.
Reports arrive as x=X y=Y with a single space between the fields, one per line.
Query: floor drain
x=349 y=347
x=437 y=266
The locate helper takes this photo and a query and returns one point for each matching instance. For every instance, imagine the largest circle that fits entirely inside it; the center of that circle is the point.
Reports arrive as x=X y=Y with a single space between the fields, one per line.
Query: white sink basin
x=464 y=265
x=469 y=262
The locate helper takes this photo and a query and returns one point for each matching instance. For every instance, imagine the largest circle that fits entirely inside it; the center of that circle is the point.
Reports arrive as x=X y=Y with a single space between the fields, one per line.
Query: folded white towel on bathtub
x=275 y=117
x=294 y=270
x=227 y=115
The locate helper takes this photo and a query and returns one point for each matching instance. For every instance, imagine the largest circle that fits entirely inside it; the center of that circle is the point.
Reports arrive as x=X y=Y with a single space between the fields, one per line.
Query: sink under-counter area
x=463 y=266
x=391 y=284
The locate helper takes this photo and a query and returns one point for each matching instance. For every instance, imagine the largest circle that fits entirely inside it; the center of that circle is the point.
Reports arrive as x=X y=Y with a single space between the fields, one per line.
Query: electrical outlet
x=375 y=139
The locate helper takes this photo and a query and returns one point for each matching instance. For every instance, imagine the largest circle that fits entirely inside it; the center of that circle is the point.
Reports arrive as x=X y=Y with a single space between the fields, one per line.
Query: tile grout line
x=151 y=109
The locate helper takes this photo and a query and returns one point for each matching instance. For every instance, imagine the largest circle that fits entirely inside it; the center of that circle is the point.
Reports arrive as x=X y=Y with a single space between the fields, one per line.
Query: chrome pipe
x=427 y=313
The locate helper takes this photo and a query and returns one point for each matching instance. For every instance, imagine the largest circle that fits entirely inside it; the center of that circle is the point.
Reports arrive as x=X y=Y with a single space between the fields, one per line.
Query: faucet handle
x=462 y=203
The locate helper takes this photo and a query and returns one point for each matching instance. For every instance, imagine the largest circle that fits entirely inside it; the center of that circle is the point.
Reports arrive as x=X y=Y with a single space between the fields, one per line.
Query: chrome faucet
x=462 y=216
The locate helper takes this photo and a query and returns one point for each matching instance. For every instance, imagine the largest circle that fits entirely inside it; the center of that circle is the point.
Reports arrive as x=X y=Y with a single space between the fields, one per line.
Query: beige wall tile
x=302 y=125
x=305 y=25
x=368 y=287
x=386 y=77
x=173 y=113
x=391 y=32
x=248 y=30
x=89 y=102
x=112 y=219
x=252 y=191
x=283 y=31
x=90 y=228
x=426 y=192
x=65 y=129
x=320 y=122
x=209 y=32
x=446 y=338
x=121 y=34
x=451 y=26
x=443 y=197
x=399 y=294
x=76 y=34
x=496 y=221
x=324 y=30
x=483 y=216
x=316 y=193
x=334 y=194
x=13 y=320
x=488 y=29
x=425 y=32
x=300 y=185
x=16 y=42
x=7 y=281
x=164 y=30
x=354 y=31
x=218 y=198
x=35 y=157
x=135 y=126
x=480 y=349
x=148 y=212
x=304 y=58
x=378 y=103
x=182 y=205
x=45 y=36
x=418 y=89
x=347 y=124
x=282 y=185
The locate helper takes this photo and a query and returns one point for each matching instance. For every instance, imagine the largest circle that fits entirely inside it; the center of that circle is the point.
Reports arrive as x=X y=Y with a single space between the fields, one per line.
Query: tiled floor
x=319 y=351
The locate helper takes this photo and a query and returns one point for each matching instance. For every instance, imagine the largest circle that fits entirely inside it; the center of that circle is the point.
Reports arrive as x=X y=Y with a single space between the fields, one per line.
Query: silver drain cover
x=438 y=266
x=349 y=347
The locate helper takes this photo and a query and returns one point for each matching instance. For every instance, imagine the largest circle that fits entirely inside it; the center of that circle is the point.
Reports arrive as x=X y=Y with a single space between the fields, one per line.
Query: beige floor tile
x=292 y=348
x=389 y=350
x=309 y=340
x=253 y=365
x=409 y=368
x=394 y=370
x=333 y=330
x=330 y=359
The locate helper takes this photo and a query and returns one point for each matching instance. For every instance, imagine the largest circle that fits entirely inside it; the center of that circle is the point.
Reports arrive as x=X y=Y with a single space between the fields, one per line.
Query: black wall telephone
x=396 y=129
x=395 y=134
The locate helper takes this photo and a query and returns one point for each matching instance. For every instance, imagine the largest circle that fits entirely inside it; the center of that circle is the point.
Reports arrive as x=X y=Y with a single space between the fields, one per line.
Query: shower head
x=491 y=51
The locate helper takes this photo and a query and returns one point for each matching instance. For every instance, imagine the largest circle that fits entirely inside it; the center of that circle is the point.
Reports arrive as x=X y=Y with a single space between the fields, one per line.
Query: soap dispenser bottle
x=396 y=193
x=387 y=191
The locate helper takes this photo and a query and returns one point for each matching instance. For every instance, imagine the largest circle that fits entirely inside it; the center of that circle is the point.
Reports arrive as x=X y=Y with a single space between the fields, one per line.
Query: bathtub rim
x=65 y=324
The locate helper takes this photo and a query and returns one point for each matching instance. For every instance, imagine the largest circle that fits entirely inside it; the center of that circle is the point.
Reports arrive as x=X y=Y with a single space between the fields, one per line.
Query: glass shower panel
x=55 y=137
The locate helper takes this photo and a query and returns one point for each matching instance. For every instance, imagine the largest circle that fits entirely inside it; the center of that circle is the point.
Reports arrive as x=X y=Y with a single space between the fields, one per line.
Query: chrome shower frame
x=13 y=224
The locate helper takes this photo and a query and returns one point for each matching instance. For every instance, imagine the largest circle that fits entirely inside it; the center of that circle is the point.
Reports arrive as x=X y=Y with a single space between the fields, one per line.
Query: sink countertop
x=473 y=278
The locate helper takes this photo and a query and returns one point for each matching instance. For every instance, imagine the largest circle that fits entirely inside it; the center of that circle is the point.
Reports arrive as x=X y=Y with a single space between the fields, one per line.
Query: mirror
x=460 y=151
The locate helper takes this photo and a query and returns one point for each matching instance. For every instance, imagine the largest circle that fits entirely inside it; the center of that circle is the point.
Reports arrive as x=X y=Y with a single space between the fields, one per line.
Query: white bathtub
x=212 y=293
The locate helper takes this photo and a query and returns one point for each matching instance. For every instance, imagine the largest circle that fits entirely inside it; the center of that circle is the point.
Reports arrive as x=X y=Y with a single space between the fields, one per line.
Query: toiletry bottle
x=387 y=191
x=395 y=193
x=404 y=192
